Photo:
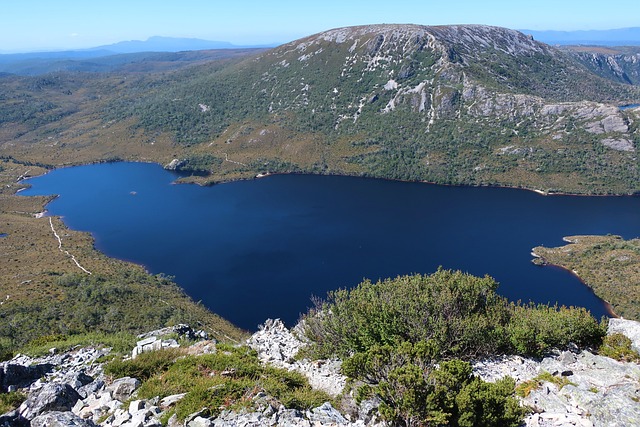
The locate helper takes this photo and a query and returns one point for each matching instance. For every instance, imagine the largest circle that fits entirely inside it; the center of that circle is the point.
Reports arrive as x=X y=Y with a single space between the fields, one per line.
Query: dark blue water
x=257 y=249
x=626 y=107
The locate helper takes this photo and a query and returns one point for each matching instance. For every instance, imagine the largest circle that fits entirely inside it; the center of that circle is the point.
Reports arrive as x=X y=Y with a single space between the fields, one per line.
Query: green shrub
x=406 y=339
x=535 y=329
x=617 y=346
x=459 y=313
x=414 y=391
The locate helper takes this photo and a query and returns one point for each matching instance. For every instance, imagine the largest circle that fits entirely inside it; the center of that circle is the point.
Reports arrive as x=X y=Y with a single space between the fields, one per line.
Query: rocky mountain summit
x=468 y=104
x=70 y=388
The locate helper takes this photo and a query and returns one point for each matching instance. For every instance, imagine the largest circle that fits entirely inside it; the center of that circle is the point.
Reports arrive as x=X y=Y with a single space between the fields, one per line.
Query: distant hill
x=618 y=37
x=109 y=57
x=168 y=44
x=122 y=62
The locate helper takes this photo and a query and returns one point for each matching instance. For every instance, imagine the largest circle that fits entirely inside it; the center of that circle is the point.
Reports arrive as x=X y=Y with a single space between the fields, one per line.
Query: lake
x=251 y=250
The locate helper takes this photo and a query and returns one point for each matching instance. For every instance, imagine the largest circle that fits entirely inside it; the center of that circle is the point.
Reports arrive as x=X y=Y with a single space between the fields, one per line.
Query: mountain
x=109 y=57
x=464 y=104
x=617 y=37
x=167 y=44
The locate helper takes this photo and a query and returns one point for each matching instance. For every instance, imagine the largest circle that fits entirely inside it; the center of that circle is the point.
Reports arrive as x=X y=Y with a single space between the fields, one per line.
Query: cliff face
x=569 y=388
x=621 y=64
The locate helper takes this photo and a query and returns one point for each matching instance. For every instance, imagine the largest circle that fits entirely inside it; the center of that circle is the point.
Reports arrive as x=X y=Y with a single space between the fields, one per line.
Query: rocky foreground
x=70 y=388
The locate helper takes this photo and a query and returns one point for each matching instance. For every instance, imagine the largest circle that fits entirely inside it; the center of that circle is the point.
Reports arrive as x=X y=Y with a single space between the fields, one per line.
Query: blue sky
x=28 y=25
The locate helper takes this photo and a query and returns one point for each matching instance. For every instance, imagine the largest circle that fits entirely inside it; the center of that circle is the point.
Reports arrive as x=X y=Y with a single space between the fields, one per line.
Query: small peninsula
x=608 y=264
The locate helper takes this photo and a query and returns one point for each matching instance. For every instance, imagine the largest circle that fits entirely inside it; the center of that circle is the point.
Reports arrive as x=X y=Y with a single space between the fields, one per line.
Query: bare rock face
x=174 y=164
x=60 y=419
x=277 y=346
x=52 y=397
x=16 y=375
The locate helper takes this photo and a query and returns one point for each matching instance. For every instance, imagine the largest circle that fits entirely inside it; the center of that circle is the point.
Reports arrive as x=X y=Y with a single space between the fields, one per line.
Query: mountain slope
x=621 y=64
x=457 y=104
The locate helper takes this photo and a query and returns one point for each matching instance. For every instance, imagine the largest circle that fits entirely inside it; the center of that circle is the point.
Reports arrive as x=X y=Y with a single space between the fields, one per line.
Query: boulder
x=122 y=389
x=60 y=419
x=13 y=419
x=21 y=376
x=52 y=397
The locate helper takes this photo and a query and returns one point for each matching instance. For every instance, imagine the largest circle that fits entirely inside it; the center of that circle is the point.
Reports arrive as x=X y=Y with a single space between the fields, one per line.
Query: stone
x=52 y=397
x=17 y=375
x=327 y=414
x=13 y=419
x=278 y=346
x=200 y=422
x=90 y=388
x=60 y=419
x=122 y=389
x=171 y=400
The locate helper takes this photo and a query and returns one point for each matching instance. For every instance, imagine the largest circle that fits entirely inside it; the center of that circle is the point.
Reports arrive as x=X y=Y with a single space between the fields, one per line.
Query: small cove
x=250 y=250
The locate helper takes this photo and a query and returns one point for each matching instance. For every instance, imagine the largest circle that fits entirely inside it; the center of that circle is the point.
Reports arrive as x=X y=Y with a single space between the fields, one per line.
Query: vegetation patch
x=618 y=346
x=608 y=264
x=525 y=388
x=10 y=401
x=230 y=378
x=119 y=342
x=407 y=341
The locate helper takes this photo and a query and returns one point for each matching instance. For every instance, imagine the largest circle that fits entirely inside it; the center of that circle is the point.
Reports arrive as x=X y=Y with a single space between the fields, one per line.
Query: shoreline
x=607 y=305
x=205 y=182
x=177 y=180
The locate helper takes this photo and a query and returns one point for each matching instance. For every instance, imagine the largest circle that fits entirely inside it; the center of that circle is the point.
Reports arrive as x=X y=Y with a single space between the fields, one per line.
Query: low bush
x=407 y=341
x=459 y=313
x=533 y=329
x=415 y=391
x=617 y=346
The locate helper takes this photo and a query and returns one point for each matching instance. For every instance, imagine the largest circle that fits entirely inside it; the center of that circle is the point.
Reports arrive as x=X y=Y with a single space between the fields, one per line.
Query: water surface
x=255 y=249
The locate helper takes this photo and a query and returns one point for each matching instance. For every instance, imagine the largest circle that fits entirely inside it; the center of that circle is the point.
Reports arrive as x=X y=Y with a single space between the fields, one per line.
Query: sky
x=35 y=25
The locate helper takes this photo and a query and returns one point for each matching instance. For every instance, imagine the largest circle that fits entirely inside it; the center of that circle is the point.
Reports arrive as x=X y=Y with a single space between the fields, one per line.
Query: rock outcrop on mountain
x=590 y=390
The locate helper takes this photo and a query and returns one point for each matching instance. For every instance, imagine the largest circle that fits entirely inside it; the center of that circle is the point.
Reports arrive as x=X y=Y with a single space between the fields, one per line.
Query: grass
x=608 y=264
x=229 y=379
x=525 y=388
x=121 y=342
x=10 y=401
